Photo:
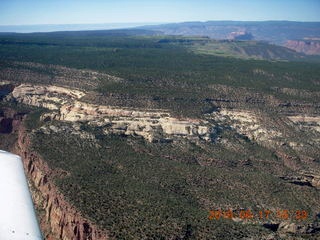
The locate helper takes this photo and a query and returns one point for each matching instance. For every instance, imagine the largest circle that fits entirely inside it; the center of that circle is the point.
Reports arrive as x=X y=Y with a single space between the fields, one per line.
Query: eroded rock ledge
x=157 y=125
x=66 y=105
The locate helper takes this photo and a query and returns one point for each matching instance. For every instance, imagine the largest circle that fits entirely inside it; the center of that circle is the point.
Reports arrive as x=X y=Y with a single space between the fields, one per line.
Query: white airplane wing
x=18 y=220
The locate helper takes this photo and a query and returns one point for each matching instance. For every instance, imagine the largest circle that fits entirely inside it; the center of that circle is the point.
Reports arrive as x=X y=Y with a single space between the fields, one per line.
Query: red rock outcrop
x=304 y=46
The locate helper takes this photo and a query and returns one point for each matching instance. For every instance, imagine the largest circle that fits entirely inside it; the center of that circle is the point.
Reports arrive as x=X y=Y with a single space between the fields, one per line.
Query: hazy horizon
x=57 y=12
x=71 y=15
x=30 y=28
x=68 y=27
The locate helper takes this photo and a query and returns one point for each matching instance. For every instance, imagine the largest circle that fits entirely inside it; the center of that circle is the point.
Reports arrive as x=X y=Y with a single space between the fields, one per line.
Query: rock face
x=304 y=179
x=248 y=124
x=305 y=46
x=59 y=220
x=309 y=122
x=50 y=97
x=151 y=125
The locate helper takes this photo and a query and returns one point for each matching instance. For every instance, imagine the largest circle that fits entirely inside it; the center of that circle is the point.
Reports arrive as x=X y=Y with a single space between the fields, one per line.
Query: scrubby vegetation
x=150 y=62
x=162 y=191
x=140 y=190
x=157 y=71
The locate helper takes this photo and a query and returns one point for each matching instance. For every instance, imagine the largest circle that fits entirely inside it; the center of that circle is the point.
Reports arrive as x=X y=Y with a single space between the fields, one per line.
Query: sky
x=30 y=12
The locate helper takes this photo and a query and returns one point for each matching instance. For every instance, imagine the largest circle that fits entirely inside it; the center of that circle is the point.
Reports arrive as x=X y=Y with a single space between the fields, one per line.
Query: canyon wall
x=58 y=219
x=304 y=46
x=153 y=125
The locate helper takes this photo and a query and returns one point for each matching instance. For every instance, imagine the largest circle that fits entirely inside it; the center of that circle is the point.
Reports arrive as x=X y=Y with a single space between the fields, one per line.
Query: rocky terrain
x=150 y=153
x=61 y=220
x=65 y=106
x=301 y=37
x=309 y=47
x=272 y=31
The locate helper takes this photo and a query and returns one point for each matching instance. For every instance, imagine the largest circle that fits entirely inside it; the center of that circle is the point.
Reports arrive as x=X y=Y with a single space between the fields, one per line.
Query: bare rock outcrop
x=248 y=124
x=309 y=47
x=309 y=122
x=149 y=124
x=153 y=125
x=50 y=97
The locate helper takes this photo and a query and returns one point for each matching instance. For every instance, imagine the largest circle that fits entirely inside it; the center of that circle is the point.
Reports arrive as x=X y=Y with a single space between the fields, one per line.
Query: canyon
x=58 y=219
x=135 y=134
x=66 y=112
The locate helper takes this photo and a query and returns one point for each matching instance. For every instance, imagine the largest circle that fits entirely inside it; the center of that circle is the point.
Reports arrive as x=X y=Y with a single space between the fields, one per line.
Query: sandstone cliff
x=304 y=46
x=157 y=125
x=66 y=105
x=249 y=124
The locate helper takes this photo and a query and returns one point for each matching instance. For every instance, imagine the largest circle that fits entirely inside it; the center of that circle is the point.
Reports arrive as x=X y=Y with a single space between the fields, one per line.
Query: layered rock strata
x=310 y=47
x=248 y=124
x=66 y=105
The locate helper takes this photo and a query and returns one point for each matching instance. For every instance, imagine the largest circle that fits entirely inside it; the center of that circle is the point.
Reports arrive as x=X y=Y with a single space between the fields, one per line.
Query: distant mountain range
x=302 y=37
x=272 y=31
x=284 y=33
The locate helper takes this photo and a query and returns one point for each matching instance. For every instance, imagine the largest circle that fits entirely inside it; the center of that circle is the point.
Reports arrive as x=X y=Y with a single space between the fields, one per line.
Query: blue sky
x=21 y=12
